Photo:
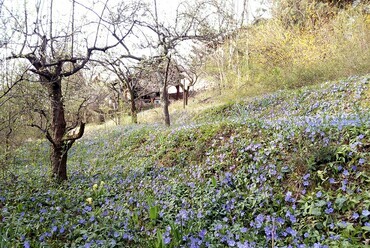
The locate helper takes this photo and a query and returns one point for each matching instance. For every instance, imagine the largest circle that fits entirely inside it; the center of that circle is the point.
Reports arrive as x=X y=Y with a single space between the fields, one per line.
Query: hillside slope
x=289 y=169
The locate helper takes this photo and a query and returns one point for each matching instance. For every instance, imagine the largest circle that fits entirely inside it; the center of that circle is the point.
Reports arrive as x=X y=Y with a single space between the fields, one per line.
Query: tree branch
x=75 y=136
x=46 y=132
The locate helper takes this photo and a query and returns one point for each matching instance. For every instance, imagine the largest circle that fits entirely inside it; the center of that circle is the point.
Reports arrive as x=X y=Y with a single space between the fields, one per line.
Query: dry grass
x=270 y=56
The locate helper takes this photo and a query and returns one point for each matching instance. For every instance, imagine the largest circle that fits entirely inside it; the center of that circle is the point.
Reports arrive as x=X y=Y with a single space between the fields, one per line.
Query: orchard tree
x=194 y=22
x=122 y=62
x=159 y=44
x=126 y=86
x=191 y=76
x=56 y=49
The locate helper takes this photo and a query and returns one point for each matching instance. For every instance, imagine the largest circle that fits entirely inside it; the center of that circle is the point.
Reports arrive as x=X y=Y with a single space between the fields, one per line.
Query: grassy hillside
x=289 y=169
x=298 y=47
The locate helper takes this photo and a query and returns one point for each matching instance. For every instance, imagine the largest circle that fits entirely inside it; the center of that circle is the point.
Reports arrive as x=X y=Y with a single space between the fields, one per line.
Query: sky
x=62 y=13
x=62 y=9
x=167 y=7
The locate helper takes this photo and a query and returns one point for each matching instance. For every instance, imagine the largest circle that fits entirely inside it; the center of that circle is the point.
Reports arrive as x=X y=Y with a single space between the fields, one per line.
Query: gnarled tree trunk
x=58 y=131
x=61 y=142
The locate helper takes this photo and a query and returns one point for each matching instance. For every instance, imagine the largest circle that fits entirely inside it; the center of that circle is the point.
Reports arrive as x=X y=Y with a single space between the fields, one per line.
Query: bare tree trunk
x=7 y=144
x=59 y=162
x=133 y=106
x=118 y=109
x=187 y=95
x=165 y=100
x=177 y=92
x=165 y=103
x=58 y=131
x=8 y=136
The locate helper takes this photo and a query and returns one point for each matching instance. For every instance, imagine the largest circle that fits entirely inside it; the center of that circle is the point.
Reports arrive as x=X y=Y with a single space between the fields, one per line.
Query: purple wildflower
x=280 y=220
x=355 y=216
x=231 y=242
x=291 y=231
x=365 y=213
x=305 y=177
x=288 y=197
x=329 y=210
x=202 y=233
x=167 y=240
x=26 y=244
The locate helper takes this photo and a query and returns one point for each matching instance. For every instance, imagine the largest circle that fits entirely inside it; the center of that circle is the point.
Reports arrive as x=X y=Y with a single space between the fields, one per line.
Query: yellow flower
x=89 y=200
x=95 y=187
x=102 y=183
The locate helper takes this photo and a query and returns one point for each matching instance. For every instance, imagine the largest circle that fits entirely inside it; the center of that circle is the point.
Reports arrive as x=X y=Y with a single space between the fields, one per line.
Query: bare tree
x=191 y=76
x=121 y=24
x=126 y=85
x=55 y=54
x=198 y=22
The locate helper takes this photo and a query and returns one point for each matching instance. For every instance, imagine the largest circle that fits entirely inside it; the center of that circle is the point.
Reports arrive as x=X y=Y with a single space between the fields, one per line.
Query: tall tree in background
x=54 y=54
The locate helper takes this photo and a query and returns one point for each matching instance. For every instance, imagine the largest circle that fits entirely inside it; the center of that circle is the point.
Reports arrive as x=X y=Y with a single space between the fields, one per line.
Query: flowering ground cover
x=289 y=169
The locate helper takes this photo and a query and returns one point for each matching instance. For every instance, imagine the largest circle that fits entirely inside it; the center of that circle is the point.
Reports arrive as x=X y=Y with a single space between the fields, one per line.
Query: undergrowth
x=289 y=169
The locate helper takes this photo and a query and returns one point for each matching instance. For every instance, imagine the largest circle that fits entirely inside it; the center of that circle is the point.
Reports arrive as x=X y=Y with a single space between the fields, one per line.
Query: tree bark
x=133 y=107
x=59 y=162
x=118 y=109
x=7 y=144
x=187 y=95
x=59 y=146
x=165 y=103
x=165 y=99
